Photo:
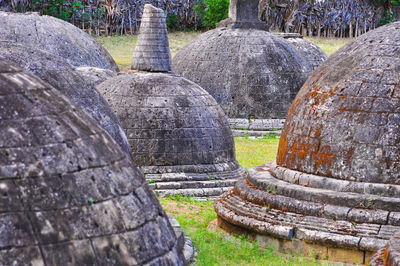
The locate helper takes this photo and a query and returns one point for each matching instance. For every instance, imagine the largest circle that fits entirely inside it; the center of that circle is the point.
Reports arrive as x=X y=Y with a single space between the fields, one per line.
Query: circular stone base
x=335 y=214
x=294 y=246
x=242 y=127
x=202 y=186
x=253 y=133
x=256 y=124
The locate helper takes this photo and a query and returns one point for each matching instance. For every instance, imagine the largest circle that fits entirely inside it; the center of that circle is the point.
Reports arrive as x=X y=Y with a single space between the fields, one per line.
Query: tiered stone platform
x=285 y=204
x=202 y=186
x=335 y=187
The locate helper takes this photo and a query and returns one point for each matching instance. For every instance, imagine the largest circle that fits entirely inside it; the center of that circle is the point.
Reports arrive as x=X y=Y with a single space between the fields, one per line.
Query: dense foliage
x=210 y=12
x=388 y=15
x=57 y=8
x=329 y=18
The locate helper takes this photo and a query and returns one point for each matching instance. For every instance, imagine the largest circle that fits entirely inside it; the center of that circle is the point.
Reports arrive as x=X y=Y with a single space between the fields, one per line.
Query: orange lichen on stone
x=283 y=144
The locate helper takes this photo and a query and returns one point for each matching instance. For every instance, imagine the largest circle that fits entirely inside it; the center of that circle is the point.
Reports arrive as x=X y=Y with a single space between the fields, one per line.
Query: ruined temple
x=251 y=73
x=179 y=136
x=68 y=194
x=335 y=186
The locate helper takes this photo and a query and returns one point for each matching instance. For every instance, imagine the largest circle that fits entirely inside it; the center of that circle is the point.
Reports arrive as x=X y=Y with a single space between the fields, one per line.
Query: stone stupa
x=179 y=136
x=335 y=187
x=69 y=80
x=253 y=74
x=68 y=194
x=56 y=37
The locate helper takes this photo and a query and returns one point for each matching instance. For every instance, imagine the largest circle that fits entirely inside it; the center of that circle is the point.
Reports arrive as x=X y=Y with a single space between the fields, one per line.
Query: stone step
x=210 y=193
x=170 y=177
x=315 y=181
x=288 y=200
x=193 y=184
x=254 y=133
x=265 y=180
x=289 y=225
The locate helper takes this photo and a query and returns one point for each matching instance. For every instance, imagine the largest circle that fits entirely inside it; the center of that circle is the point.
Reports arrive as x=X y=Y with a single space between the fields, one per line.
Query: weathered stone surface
x=95 y=75
x=75 y=83
x=171 y=122
x=388 y=255
x=57 y=37
x=256 y=124
x=243 y=14
x=315 y=56
x=344 y=123
x=338 y=156
x=152 y=47
x=252 y=74
x=78 y=199
x=175 y=129
x=185 y=242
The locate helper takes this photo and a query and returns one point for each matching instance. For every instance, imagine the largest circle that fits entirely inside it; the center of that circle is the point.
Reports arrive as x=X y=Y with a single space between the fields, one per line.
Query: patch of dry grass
x=329 y=46
x=121 y=47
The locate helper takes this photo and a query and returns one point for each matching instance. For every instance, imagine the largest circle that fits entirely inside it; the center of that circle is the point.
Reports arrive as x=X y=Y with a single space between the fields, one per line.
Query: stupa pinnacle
x=152 y=48
x=243 y=14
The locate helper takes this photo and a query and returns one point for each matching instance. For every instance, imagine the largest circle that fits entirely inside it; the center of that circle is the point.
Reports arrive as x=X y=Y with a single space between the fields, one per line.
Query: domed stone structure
x=57 y=37
x=336 y=181
x=179 y=136
x=73 y=82
x=315 y=56
x=251 y=73
x=69 y=194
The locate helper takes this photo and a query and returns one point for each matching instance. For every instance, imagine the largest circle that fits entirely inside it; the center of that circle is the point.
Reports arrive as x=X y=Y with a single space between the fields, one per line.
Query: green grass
x=217 y=248
x=251 y=152
x=329 y=46
x=120 y=47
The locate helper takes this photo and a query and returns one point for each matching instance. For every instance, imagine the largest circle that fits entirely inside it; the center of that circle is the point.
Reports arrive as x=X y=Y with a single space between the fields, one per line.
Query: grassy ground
x=215 y=247
x=329 y=46
x=251 y=152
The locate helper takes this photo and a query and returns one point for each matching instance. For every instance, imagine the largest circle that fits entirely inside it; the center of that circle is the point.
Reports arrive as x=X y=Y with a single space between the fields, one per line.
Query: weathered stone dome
x=57 y=37
x=179 y=136
x=336 y=178
x=75 y=83
x=173 y=126
x=69 y=194
x=314 y=55
x=250 y=72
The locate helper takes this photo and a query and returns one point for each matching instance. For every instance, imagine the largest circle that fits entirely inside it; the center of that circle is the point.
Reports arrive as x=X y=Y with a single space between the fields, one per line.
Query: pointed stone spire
x=243 y=14
x=152 y=47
